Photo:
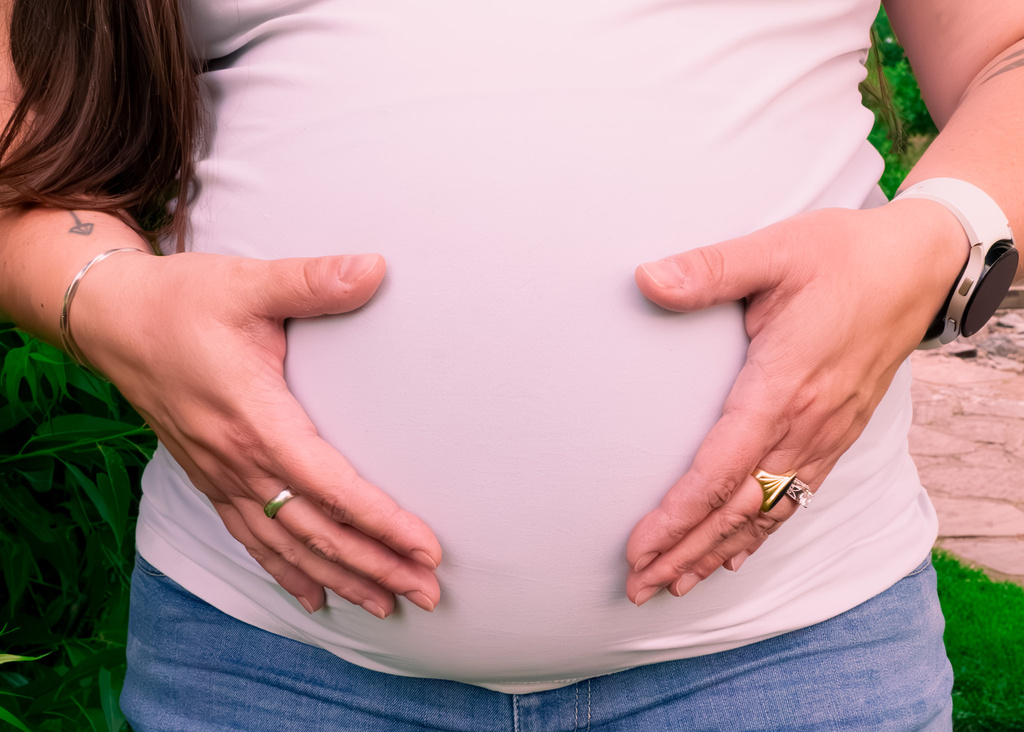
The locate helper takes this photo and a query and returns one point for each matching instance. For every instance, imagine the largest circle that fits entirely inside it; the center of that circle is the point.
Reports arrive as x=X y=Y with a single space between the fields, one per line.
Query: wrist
x=40 y=256
x=990 y=264
x=108 y=297
x=67 y=336
x=938 y=244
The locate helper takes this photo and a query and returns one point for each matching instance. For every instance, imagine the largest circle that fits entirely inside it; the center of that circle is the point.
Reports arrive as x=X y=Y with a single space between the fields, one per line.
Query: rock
x=1006 y=346
x=960 y=349
x=1002 y=555
x=965 y=517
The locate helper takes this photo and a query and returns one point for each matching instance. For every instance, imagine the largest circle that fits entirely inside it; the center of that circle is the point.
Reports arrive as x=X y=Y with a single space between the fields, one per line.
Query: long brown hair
x=108 y=114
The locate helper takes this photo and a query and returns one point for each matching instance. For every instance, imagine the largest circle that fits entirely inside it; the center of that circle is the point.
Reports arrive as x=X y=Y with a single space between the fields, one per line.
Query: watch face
x=992 y=288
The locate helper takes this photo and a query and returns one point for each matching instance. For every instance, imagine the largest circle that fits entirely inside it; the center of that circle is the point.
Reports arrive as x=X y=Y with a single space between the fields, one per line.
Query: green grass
x=985 y=643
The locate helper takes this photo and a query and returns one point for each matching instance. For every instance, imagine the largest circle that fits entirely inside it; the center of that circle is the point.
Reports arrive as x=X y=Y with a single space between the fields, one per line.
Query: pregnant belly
x=510 y=385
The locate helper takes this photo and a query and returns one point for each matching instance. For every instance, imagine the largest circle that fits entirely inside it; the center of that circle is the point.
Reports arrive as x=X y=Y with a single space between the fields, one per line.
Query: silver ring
x=775 y=487
x=274 y=504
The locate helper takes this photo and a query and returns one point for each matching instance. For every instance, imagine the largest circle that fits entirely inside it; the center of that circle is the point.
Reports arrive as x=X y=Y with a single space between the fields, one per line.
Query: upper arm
x=8 y=79
x=950 y=42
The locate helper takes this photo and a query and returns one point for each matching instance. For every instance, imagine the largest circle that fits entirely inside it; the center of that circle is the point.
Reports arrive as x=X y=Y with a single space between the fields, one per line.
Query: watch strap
x=984 y=223
x=980 y=216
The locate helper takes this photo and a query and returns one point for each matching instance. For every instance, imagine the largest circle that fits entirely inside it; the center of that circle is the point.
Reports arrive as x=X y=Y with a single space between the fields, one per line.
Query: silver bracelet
x=66 y=339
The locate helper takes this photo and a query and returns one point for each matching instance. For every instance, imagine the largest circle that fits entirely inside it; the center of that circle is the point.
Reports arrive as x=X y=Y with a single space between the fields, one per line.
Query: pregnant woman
x=532 y=448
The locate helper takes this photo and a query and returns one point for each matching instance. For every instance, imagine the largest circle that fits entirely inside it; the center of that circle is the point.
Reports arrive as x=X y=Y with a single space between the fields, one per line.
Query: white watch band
x=985 y=224
x=980 y=216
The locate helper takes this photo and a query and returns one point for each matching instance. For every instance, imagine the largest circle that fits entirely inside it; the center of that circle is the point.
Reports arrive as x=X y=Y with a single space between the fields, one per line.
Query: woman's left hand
x=836 y=301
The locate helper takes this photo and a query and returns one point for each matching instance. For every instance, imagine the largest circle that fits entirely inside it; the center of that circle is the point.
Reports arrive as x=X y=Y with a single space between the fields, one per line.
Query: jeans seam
x=923 y=567
x=515 y=712
x=588 y=705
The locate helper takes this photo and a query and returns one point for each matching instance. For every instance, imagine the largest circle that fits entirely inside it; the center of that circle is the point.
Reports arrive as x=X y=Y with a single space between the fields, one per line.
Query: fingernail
x=306 y=604
x=684 y=584
x=646 y=594
x=374 y=609
x=664 y=272
x=644 y=561
x=421 y=557
x=734 y=564
x=362 y=264
x=420 y=600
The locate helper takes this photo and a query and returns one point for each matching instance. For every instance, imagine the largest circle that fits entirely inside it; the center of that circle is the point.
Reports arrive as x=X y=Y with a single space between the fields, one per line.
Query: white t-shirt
x=514 y=161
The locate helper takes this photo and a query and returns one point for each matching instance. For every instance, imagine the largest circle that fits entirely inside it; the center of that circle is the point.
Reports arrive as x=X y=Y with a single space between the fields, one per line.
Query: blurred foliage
x=903 y=128
x=71 y=460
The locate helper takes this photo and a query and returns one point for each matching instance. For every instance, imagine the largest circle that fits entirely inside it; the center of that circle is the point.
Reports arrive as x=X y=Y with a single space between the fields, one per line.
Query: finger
x=318 y=472
x=297 y=583
x=792 y=424
x=285 y=557
x=710 y=275
x=306 y=525
x=723 y=534
x=345 y=547
x=734 y=564
x=307 y=287
x=256 y=463
x=308 y=591
x=290 y=563
x=726 y=457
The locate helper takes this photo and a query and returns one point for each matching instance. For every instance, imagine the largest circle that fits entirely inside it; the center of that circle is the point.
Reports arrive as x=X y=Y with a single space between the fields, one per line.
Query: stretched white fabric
x=514 y=161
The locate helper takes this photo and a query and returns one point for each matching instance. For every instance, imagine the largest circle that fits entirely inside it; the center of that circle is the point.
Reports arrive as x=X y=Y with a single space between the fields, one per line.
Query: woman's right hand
x=196 y=343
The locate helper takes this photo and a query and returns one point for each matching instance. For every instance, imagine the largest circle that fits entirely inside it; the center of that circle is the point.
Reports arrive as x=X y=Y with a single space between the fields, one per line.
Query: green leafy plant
x=72 y=455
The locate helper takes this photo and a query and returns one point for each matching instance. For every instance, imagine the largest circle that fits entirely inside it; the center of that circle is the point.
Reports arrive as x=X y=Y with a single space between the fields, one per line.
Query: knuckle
x=716 y=490
x=683 y=567
x=718 y=494
x=728 y=524
x=321 y=547
x=679 y=568
x=339 y=512
x=311 y=277
x=386 y=574
x=671 y=523
x=290 y=555
x=259 y=554
x=243 y=439
x=713 y=265
x=389 y=535
x=810 y=397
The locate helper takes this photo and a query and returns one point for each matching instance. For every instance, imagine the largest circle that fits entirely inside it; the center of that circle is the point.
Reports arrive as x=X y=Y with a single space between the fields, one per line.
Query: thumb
x=307 y=287
x=710 y=275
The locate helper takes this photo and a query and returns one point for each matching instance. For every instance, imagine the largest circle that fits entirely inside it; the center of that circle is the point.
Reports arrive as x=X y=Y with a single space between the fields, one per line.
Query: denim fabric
x=880 y=666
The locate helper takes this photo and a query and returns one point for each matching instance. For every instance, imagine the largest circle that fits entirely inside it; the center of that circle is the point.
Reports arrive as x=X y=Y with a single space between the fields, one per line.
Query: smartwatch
x=991 y=263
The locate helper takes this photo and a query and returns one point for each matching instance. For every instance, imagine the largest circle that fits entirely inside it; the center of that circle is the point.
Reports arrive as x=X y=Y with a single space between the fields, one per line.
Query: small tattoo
x=1008 y=67
x=81 y=228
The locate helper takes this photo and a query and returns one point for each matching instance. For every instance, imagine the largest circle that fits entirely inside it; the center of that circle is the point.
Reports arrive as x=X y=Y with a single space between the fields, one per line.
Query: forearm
x=41 y=251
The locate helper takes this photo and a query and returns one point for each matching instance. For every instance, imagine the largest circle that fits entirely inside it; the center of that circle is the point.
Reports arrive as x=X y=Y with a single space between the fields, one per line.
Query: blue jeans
x=880 y=666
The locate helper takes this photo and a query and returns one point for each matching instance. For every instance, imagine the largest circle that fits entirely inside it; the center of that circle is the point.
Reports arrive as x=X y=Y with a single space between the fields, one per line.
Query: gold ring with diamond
x=776 y=486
